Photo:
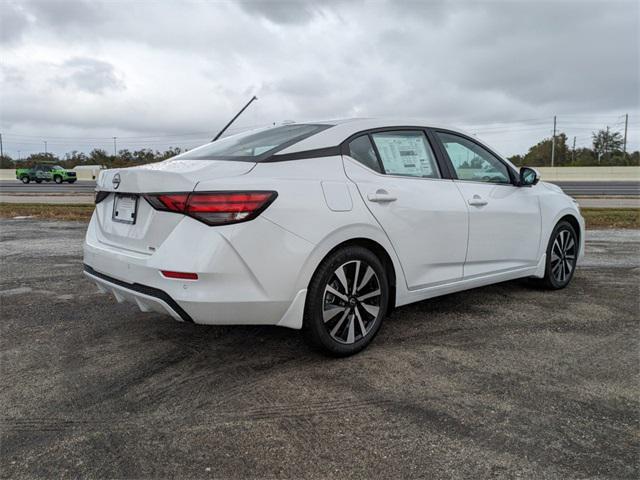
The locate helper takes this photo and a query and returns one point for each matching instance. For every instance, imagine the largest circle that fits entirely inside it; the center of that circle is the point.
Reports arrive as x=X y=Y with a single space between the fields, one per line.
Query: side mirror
x=529 y=176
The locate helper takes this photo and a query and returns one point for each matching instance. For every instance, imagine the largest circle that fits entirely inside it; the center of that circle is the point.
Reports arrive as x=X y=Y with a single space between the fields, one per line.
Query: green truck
x=45 y=173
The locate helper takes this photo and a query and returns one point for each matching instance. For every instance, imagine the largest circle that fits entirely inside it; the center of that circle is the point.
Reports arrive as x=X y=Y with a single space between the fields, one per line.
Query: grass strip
x=47 y=211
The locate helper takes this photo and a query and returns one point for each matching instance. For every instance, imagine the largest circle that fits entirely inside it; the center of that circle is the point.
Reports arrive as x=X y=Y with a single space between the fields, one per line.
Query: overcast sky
x=155 y=74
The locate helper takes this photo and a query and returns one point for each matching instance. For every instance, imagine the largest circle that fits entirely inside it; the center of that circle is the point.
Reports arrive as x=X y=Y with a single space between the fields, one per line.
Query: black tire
x=57 y=179
x=38 y=181
x=351 y=329
x=25 y=179
x=72 y=181
x=562 y=255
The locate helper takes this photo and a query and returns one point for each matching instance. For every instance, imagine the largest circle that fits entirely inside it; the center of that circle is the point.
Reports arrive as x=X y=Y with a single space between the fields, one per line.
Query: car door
x=504 y=219
x=424 y=215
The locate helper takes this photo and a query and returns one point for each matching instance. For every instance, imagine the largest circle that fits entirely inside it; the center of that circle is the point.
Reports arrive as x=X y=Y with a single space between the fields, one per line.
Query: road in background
x=88 y=186
x=15 y=186
x=599 y=188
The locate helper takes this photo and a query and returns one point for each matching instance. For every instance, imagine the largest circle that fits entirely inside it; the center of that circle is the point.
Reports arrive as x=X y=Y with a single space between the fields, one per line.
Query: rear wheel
x=25 y=179
x=346 y=302
x=38 y=181
x=562 y=255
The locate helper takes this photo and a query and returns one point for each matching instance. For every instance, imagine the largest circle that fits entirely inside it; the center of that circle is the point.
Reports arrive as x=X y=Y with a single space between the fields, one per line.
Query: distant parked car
x=325 y=227
x=45 y=173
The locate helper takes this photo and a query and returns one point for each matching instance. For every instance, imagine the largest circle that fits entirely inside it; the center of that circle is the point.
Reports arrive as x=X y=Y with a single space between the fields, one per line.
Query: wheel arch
x=382 y=254
x=573 y=221
x=378 y=246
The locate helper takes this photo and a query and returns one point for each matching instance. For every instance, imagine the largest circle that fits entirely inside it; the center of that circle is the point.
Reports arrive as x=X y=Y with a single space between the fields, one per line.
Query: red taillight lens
x=214 y=208
x=179 y=275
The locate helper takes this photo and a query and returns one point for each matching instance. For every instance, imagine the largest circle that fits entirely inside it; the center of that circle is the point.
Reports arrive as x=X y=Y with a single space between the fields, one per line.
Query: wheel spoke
x=351 y=329
x=331 y=313
x=343 y=278
x=372 y=309
x=554 y=257
x=360 y=322
x=333 y=291
x=339 y=324
x=569 y=266
x=375 y=293
x=367 y=276
x=556 y=246
x=355 y=278
x=569 y=245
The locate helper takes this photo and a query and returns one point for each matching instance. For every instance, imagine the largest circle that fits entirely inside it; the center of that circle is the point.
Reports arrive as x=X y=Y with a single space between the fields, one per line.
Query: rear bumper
x=237 y=283
x=147 y=298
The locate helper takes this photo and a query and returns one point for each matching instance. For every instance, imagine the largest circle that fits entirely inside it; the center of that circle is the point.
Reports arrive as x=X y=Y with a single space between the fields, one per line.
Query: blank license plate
x=125 y=208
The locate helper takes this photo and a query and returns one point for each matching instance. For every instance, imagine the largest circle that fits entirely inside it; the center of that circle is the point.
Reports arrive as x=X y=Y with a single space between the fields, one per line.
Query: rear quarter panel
x=303 y=209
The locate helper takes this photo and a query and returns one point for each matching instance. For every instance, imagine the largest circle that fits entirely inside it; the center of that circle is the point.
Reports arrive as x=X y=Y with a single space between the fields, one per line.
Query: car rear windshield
x=253 y=146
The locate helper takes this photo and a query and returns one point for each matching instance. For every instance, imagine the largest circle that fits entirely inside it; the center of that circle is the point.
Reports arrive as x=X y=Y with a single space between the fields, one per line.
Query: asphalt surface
x=505 y=381
x=600 y=188
x=15 y=186
x=85 y=186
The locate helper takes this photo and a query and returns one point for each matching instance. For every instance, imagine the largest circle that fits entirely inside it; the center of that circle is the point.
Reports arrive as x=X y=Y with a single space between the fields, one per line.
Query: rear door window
x=406 y=153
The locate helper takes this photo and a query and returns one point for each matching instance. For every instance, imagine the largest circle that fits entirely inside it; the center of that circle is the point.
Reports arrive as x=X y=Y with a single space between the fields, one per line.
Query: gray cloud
x=13 y=22
x=89 y=75
x=190 y=65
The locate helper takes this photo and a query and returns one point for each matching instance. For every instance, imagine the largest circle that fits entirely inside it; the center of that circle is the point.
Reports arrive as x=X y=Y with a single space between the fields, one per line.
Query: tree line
x=606 y=150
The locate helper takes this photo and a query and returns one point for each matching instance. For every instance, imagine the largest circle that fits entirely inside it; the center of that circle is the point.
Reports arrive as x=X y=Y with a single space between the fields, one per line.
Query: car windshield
x=253 y=146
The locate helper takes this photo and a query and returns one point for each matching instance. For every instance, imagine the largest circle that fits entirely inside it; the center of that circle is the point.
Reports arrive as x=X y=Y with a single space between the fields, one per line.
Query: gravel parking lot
x=502 y=381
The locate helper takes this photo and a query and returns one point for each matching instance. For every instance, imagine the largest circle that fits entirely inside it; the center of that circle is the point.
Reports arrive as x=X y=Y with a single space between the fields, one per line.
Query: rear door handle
x=381 y=196
x=477 y=201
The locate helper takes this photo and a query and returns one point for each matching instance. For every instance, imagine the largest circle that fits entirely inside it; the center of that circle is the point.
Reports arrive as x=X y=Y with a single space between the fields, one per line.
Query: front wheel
x=562 y=255
x=57 y=179
x=346 y=302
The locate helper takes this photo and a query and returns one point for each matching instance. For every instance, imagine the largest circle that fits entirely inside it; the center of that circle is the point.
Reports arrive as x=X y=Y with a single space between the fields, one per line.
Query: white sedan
x=325 y=227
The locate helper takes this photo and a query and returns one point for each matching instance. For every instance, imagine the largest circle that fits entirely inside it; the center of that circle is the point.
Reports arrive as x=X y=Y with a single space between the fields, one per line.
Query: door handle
x=477 y=201
x=381 y=196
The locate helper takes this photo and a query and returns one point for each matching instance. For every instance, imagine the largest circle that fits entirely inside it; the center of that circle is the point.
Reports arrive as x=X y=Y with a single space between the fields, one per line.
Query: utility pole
x=573 y=151
x=553 y=142
x=45 y=146
x=114 y=147
x=1 y=148
x=624 y=145
x=19 y=157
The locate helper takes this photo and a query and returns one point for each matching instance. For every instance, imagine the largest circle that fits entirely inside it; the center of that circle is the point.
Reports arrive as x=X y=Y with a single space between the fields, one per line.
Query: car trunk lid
x=127 y=221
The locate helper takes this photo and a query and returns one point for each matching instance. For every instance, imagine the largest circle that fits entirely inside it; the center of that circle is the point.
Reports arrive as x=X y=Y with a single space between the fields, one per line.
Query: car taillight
x=100 y=196
x=214 y=208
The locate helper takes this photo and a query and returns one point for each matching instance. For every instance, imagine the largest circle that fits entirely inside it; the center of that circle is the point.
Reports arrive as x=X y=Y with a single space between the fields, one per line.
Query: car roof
x=342 y=129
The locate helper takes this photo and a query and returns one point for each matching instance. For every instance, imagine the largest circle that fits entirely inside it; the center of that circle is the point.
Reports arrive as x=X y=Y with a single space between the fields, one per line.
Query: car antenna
x=234 y=118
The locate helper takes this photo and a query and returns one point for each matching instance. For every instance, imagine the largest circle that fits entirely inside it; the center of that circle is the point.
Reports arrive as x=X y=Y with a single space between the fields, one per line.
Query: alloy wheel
x=563 y=256
x=351 y=302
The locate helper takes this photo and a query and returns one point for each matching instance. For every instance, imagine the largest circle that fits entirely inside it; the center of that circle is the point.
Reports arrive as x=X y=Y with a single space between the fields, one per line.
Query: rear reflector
x=214 y=208
x=180 y=275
